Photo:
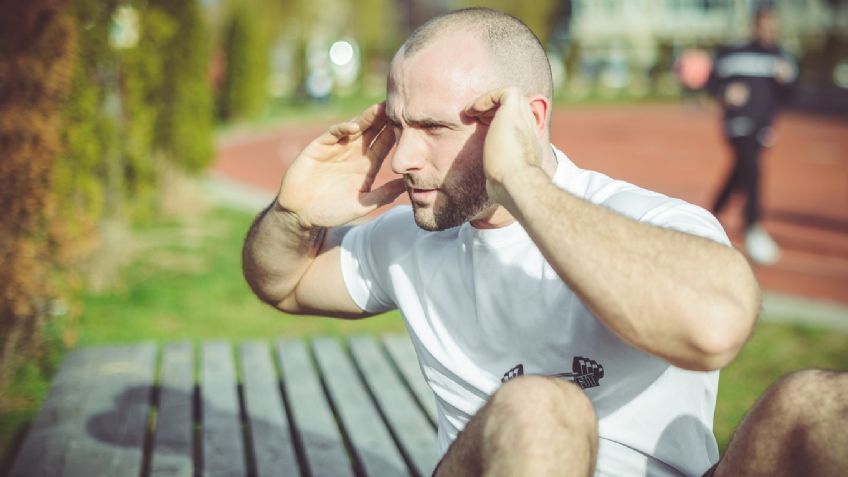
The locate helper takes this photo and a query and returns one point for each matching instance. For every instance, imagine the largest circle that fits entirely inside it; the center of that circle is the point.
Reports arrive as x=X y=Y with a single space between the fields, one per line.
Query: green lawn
x=185 y=282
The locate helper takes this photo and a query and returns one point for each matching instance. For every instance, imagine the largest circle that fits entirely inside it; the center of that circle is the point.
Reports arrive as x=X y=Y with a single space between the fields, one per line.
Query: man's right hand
x=329 y=183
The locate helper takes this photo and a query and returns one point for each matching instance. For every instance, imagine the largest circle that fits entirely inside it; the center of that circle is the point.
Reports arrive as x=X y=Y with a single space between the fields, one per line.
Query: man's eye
x=434 y=127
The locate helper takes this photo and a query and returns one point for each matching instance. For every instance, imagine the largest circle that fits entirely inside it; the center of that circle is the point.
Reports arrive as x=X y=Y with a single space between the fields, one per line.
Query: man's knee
x=798 y=427
x=537 y=407
x=807 y=407
x=809 y=394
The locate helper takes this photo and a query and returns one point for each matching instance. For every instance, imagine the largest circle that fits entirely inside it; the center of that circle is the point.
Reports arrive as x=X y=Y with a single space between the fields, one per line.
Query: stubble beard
x=459 y=202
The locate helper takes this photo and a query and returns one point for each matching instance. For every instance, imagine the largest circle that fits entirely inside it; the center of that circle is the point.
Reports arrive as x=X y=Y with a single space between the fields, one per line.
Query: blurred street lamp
x=344 y=59
x=341 y=53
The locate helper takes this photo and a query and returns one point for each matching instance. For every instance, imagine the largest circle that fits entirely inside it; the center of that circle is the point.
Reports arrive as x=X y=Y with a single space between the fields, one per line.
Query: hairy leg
x=532 y=425
x=798 y=427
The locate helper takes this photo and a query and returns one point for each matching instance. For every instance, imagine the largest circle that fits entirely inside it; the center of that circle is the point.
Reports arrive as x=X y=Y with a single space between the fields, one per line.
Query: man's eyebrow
x=421 y=122
x=429 y=123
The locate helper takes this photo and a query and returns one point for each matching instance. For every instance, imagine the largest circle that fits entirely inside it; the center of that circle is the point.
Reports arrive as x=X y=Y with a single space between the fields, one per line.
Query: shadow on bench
x=323 y=406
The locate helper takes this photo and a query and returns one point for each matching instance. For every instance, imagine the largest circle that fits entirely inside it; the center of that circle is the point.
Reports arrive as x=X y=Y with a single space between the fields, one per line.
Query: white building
x=641 y=32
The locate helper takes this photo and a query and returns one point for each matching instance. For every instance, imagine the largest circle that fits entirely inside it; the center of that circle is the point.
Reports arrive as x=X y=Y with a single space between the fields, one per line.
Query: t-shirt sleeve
x=687 y=218
x=658 y=209
x=365 y=262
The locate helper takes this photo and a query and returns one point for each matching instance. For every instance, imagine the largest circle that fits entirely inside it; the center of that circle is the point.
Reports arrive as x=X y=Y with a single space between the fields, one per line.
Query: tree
x=375 y=28
x=245 y=79
x=184 y=126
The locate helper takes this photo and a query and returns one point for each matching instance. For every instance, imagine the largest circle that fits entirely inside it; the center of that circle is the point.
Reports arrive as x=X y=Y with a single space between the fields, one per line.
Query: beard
x=462 y=197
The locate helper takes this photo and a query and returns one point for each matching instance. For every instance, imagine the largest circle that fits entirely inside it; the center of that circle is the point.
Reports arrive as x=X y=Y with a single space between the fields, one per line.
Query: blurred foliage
x=244 y=88
x=80 y=145
x=184 y=125
x=141 y=79
x=37 y=49
x=538 y=15
x=375 y=27
x=820 y=58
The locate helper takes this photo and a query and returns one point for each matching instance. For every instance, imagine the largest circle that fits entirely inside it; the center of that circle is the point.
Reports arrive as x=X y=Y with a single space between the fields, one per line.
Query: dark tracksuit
x=747 y=127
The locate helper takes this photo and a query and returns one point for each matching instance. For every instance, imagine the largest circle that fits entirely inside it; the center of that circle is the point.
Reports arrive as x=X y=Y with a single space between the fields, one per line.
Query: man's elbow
x=267 y=290
x=717 y=350
x=273 y=297
x=721 y=339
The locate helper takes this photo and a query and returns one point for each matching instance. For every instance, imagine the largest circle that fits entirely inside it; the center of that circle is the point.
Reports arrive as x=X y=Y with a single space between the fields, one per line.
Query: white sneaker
x=761 y=247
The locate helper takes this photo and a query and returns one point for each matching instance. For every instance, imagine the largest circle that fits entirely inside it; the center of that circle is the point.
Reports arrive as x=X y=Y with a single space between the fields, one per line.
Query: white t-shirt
x=484 y=305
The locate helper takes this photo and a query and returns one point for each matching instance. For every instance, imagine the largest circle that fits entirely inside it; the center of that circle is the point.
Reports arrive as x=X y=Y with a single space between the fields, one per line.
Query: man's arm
x=686 y=299
x=291 y=256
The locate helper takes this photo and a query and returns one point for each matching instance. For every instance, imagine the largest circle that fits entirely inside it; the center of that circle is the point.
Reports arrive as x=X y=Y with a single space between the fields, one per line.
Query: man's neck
x=498 y=216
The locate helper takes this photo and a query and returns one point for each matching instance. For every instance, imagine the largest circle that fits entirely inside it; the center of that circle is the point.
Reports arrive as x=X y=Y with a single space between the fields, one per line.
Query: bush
x=37 y=48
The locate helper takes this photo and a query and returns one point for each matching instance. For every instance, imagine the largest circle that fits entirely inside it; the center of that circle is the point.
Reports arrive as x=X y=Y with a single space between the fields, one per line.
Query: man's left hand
x=511 y=141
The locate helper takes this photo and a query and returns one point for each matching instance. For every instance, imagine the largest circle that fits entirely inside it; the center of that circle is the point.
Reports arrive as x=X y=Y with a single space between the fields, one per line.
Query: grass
x=184 y=282
x=187 y=284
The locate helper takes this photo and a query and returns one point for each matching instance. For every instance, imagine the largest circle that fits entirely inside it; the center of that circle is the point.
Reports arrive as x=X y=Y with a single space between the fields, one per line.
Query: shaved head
x=443 y=67
x=517 y=55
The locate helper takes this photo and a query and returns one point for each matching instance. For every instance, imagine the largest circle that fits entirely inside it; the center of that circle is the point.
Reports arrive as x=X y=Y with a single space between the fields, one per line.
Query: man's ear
x=540 y=106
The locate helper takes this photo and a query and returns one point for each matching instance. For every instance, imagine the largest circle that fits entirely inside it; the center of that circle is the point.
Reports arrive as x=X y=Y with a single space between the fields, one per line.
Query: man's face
x=766 y=28
x=439 y=149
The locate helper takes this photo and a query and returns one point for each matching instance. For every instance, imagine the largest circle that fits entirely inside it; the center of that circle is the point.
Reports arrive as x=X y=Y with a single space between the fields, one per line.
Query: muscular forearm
x=277 y=253
x=684 y=298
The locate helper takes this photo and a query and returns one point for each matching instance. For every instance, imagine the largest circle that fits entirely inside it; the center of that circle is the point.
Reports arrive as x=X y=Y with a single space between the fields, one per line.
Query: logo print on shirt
x=586 y=373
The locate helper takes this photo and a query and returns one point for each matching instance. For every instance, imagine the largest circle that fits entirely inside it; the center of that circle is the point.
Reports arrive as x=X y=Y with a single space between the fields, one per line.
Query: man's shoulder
x=639 y=203
x=601 y=189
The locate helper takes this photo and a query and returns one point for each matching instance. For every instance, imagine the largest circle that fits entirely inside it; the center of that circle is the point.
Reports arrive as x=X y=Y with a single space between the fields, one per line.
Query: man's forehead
x=440 y=79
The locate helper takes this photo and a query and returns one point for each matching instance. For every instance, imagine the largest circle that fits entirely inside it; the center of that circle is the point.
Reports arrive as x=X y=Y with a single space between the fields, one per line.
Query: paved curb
x=783 y=308
x=236 y=195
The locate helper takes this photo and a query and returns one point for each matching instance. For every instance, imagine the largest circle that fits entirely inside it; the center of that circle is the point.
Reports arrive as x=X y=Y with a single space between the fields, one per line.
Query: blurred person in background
x=750 y=81
x=568 y=324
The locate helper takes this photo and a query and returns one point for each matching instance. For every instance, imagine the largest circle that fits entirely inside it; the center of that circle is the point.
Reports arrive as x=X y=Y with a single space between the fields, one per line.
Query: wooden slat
x=42 y=452
x=94 y=420
x=410 y=426
x=115 y=415
x=368 y=435
x=323 y=447
x=173 y=447
x=403 y=355
x=223 y=443
x=269 y=428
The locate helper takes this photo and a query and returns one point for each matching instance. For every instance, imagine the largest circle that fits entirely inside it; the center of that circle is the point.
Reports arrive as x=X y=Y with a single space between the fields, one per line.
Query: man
x=568 y=324
x=750 y=81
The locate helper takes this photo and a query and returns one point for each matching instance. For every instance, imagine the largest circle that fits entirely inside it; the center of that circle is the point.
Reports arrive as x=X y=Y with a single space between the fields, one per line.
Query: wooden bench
x=322 y=406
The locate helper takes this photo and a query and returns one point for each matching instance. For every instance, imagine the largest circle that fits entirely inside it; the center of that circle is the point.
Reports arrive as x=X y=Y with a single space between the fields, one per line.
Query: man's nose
x=409 y=154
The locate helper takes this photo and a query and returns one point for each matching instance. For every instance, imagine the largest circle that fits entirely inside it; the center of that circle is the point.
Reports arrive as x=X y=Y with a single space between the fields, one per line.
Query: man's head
x=444 y=66
x=765 y=26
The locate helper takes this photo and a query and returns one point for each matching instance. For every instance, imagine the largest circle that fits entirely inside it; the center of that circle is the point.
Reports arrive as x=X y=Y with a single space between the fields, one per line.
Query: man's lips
x=422 y=196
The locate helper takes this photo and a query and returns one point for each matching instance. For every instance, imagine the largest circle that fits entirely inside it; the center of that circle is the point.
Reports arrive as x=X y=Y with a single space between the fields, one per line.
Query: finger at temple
x=381 y=145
